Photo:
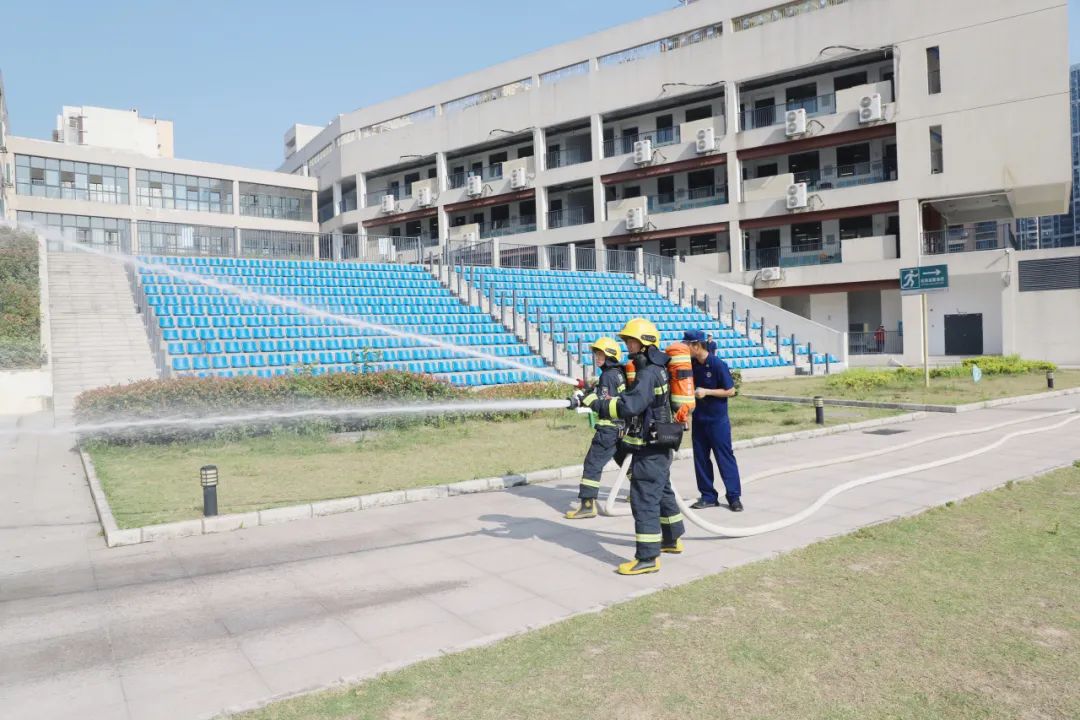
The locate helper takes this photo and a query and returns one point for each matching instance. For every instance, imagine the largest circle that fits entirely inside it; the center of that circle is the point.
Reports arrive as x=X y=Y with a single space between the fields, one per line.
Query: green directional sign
x=924 y=279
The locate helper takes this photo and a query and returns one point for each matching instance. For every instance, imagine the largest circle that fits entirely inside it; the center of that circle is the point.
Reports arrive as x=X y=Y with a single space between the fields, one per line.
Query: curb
x=115 y=536
x=916 y=407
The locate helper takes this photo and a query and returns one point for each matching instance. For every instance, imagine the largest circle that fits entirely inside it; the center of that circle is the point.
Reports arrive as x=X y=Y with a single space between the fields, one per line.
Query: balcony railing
x=804 y=253
x=509 y=226
x=625 y=144
x=568 y=217
x=558 y=257
x=688 y=199
x=348 y=202
x=876 y=342
x=374 y=198
x=326 y=212
x=842 y=176
x=620 y=261
x=970 y=238
x=564 y=158
x=489 y=172
x=774 y=114
x=519 y=256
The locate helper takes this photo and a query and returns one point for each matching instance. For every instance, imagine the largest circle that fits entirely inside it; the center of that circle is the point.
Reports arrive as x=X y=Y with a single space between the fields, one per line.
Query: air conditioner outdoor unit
x=643 y=152
x=389 y=203
x=706 y=140
x=518 y=178
x=635 y=218
x=870 y=108
x=796 y=196
x=795 y=122
x=474 y=185
x=423 y=197
x=771 y=273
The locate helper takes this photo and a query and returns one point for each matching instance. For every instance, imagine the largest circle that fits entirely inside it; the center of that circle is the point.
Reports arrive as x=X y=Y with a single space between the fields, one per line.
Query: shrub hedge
x=20 y=314
x=859 y=380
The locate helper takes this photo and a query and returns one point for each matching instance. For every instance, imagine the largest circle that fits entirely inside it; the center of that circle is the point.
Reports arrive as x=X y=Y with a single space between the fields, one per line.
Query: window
x=274 y=202
x=69 y=180
x=702 y=244
x=843 y=82
x=183 y=192
x=806 y=237
x=98 y=232
x=857 y=227
x=554 y=76
x=656 y=47
x=937 y=151
x=632 y=191
x=933 y=70
x=699 y=113
x=158 y=238
x=768 y=170
x=852 y=159
x=781 y=12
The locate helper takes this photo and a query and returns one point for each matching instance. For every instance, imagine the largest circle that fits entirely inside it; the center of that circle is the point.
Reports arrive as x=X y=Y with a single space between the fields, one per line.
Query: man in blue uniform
x=711 y=427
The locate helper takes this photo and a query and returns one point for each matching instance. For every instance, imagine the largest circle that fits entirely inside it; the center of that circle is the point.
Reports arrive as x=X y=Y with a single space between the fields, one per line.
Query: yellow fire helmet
x=642 y=330
x=609 y=347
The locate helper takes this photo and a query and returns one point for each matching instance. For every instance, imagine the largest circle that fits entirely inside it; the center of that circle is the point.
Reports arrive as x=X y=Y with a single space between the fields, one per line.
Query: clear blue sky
x=233 y=75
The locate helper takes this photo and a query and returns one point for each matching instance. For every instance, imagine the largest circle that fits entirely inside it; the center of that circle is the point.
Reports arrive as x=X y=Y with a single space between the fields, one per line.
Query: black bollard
x=208 y=478
x=1049 y=379
x=819 y=410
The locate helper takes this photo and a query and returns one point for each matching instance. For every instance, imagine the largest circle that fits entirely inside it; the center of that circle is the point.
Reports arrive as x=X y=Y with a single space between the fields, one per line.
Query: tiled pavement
x=190 y=627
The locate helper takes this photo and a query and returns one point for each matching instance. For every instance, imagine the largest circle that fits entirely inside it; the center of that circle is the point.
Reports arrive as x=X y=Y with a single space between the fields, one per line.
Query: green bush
x=20 y=315
x=861 y=380
x=1007 y=365
x=192 y=397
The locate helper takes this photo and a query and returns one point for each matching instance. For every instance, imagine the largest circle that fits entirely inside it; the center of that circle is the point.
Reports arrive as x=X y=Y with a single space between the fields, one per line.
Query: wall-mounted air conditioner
x=518 y=178
x=706 y=140
x=796 y=196
x=870 y=108
x=389 y=203
x=795 y=122
x=474 y=185
x=771 y=274
x=423 y=197
x=635 y=218
x=643 y=152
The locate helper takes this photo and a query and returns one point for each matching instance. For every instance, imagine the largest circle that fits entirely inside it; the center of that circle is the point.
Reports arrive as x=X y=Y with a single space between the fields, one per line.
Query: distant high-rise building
x=1052 y=231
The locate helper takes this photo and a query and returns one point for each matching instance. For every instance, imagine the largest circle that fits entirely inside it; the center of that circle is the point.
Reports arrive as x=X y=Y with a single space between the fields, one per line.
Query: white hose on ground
x=608 y=508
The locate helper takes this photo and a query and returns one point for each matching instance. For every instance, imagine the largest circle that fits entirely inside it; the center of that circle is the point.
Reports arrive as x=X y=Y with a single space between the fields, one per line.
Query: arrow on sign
x=935 y=273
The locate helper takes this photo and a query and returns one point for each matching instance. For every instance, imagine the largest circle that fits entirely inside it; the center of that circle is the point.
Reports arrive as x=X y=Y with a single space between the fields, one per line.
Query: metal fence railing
x=585 y=258
x=688 y=199
x=970 y=238
x=481 y=253
x=774 y=114
x=277 y=244
x=808 y=251
x=659 y=265
x=568 y=217
x=519 y=256
x=570 y=156
x=620 y=261
x=841 y=176
x=508 y=226
x=876 y=342
x=558 y=257
x=625 y=144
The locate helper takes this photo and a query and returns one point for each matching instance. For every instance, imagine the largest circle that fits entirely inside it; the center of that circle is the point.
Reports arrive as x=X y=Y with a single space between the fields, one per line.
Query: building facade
x=108 y=179
x=802 y=153
x=1052 y=231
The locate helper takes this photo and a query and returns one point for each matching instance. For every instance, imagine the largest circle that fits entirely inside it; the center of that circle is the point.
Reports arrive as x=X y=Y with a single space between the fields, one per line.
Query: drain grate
x=884 y=431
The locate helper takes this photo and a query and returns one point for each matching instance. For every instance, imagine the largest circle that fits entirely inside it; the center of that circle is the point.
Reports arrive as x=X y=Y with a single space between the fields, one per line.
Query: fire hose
x=608 y=507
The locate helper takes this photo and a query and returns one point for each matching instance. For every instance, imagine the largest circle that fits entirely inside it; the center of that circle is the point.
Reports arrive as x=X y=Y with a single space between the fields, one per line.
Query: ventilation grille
x=1050 y=274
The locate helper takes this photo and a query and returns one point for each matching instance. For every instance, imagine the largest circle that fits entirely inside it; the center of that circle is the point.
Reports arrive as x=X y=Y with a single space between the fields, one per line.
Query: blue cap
x=696 y=336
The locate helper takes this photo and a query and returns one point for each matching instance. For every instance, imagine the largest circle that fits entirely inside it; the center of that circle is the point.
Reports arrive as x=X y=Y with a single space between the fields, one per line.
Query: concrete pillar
x=337 y=198
x=314 y=205
x=596 y=127
x=542 y=260
x=910 y=232
x=238 y=243
x=496 y=260
x=133 y=237
x=541 y=202
x=601 y=257
x=639 y=261
x=361 y=190
x=236 y=197
x=731 y=108
x=442 y=177
x=540 y=149
x=573 y=256
x=599 y=204
x=734 y=179
x=735 y=247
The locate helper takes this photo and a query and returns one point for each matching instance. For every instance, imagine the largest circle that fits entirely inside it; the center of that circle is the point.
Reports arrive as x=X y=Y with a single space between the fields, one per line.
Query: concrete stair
x=98 y=337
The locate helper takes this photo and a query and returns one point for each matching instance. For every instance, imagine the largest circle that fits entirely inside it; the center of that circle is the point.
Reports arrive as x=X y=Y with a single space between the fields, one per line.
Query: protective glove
x=575 y=399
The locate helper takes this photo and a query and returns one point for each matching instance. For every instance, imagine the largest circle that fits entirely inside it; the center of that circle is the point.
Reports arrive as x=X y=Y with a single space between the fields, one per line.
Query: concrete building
x=108 y=178
x=1052 y=231
x=800 y=153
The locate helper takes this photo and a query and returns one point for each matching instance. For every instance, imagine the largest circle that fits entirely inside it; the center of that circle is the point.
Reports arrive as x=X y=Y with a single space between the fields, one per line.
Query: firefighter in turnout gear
x=605 y=443
x=651 y=435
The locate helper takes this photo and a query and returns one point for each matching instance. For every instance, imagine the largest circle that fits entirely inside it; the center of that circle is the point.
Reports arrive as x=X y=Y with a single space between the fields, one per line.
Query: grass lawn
x=964 y=612
x=942 y=391
x=149 y=484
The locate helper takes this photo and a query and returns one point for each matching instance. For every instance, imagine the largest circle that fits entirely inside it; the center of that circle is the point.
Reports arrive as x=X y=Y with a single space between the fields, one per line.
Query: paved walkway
x=188 y=628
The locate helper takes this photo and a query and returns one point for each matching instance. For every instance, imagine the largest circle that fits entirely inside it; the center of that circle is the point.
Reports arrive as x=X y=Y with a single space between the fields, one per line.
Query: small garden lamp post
x=208 y=478
x=1049 y=379
x=819 y=410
